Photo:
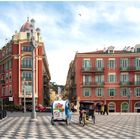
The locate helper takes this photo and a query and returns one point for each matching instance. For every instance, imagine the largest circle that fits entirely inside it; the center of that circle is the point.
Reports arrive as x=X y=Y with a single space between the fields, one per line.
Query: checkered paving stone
x=112 y=126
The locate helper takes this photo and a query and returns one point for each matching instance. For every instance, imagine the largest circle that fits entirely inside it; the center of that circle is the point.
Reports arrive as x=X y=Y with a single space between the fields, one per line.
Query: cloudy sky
x=68 y=27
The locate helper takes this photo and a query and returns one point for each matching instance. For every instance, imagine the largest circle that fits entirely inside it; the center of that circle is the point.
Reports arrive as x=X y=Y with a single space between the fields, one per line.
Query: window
x=138 y=49
x=10 y=76
x=112 y=63
x=86 y=92
x=27 y=48
x=112 y=78
x=27 y=62
x=87 y=64
x=26 y=88
x=111 y=107
x=7 y=65
x=99 y=78
x=124 y=63
x=10 y=89
x=27 y=75
x=87 y=80
x=10 y=49
x=6 y=76
x=124 y=77
x=99 y=63
x=10 y=64
x=124 y=91
x=137 y=92
x=137 y=63
x=99 y=92
x=111 y=92
x=124 y=107
x=28 y=35
x=137 y=79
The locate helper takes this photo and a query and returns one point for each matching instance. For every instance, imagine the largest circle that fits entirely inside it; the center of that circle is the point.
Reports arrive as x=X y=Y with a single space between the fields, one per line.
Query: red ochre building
x=106 y=76
x=16 y=68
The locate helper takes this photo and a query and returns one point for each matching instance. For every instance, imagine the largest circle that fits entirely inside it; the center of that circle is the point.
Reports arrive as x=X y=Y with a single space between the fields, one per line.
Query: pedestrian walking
x=102 y=109
x=105 y=109
x=92 y=112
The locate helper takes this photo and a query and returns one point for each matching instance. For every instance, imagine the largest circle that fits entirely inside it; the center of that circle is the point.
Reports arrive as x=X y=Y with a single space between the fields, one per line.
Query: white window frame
x=124 y=63
x=87 y=79
x=112 y=63
x=110 y=90
x=99 y=92
x=124 y=77
x=112 y=77
x=86 y=63
x=137 y=92
x=88 y=90
x=99 y=63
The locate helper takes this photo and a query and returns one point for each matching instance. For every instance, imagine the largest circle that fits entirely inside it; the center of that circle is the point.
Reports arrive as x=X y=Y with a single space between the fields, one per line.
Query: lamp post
x=34 y=45
x=24 y=95
x=129 y=96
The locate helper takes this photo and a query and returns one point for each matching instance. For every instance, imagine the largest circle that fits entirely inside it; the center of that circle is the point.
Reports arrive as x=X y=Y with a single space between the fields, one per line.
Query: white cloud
x=81 y=27
x=132 y=14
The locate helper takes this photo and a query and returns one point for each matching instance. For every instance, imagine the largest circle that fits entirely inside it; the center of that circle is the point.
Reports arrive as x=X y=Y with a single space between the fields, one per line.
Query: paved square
x=17 y=125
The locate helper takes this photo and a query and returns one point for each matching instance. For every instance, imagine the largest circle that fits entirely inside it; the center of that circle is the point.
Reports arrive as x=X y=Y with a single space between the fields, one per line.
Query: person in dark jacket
x=91 y=112
x=105 y=109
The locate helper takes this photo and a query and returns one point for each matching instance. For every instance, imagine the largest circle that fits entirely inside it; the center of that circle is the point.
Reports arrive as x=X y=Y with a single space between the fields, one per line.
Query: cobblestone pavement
x=17 y=125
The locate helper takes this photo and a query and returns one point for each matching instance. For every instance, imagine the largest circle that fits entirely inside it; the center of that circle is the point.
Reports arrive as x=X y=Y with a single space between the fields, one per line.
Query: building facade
x=16 y=67
x=107 y=76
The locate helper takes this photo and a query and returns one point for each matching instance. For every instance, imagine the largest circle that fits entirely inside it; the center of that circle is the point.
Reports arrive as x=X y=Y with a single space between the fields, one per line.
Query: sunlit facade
x=107 y=76
x=16 y=68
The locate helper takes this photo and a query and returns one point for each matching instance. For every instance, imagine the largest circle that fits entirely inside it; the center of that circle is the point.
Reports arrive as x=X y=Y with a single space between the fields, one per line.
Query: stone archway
x=137 y=107
x=112 y=107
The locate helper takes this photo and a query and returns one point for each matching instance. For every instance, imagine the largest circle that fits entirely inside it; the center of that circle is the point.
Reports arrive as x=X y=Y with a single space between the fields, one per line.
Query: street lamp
x=129 y=96
x=34 y=45
x=24 y=95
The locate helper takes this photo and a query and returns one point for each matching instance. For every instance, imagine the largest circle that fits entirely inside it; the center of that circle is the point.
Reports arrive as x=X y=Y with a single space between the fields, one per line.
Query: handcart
x=61 y=112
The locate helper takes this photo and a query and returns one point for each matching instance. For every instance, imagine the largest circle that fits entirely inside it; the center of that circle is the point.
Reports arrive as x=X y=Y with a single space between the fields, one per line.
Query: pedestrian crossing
x=18 y=126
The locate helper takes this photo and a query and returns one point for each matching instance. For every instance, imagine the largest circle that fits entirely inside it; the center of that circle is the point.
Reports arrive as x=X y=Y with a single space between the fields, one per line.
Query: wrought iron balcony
x=132 y=68
x=137 y=83
x=87 y=84
x=126 y=83
x=98 y=84
x=93 y=84
x=96 y=69
x=87 y=69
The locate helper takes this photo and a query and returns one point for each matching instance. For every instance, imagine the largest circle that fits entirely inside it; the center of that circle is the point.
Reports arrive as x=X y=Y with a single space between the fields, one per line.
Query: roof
x=25 y=27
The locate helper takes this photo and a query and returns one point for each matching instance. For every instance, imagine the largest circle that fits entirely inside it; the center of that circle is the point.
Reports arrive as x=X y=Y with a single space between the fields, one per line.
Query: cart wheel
x=67 y=121
x=52 y=122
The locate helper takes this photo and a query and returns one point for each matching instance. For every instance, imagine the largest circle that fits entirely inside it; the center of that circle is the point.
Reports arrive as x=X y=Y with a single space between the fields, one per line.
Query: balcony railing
x=94 y=84
x=132 y=68
x=96 y=69
x=87 y=83
x=126 y=83
x=87 y=69
x=137 y=83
